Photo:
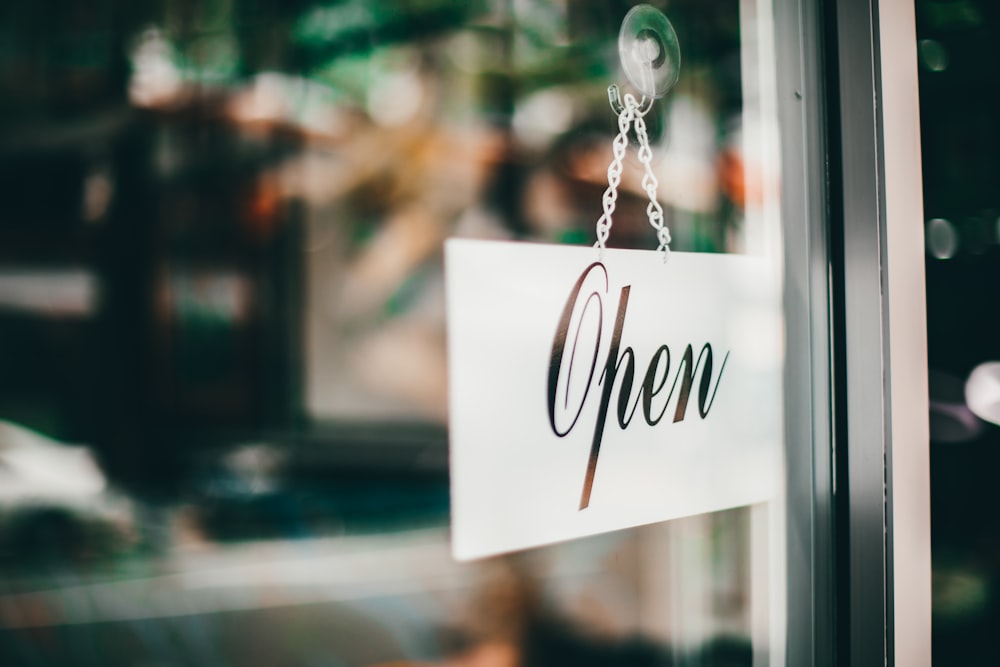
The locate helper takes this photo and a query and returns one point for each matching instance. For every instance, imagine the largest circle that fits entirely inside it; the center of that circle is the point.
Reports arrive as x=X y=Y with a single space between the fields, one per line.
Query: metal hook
x=615 y=99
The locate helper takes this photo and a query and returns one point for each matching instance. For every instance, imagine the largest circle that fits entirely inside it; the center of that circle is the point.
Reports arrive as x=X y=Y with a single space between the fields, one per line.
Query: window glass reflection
x=222 y=333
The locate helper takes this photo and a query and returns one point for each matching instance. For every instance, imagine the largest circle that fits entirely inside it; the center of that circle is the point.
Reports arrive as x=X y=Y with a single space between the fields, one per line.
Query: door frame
x=881 y=436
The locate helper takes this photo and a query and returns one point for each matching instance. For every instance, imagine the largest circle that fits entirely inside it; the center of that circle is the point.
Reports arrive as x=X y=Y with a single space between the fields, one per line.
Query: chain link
x=649 y=183
x=629 y=116
x=610 y=197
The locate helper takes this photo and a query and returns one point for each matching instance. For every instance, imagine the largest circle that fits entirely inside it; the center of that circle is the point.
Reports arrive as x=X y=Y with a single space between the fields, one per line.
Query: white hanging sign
x=588 y=396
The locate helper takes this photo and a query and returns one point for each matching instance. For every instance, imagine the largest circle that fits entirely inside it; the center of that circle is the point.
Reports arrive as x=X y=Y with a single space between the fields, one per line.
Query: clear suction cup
x=649 y=52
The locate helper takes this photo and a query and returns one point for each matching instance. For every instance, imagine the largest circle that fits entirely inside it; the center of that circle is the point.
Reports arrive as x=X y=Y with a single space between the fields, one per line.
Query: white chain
x=630 y=115
x=649 y=183
x=610 y=197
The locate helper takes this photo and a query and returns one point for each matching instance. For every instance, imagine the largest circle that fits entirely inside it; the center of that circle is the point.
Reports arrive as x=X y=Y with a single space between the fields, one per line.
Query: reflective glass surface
x=223 y=377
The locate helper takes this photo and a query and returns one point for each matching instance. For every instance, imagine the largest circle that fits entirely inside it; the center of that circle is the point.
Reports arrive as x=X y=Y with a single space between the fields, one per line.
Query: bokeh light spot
x=941 y=238
x=982 y=391
x=933 y=55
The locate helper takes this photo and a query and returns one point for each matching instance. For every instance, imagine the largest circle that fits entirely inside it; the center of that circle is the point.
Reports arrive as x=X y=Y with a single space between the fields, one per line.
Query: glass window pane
x=223 y=393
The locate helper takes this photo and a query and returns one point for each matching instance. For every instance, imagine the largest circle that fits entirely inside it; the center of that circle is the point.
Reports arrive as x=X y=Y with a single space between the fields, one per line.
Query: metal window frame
x=880 y=427
x=801 y=80
x=858 y=520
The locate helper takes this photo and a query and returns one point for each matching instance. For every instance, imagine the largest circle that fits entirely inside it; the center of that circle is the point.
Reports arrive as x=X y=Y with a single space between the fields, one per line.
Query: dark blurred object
x=951 y=420
x=296 y=636
x=272 y=491
x=195 y=321
x=552 y=644
x=959 y=55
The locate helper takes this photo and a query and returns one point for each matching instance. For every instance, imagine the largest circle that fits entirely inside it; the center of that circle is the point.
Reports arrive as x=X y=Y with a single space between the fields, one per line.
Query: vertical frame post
x=802 y=98
x=880 y=359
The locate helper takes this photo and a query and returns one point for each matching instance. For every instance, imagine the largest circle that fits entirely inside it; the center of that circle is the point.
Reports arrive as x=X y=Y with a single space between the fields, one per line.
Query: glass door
x=224 y=388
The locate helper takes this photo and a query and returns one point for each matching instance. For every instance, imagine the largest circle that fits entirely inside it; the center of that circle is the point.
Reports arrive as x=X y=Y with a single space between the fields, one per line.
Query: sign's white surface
x=588 y=396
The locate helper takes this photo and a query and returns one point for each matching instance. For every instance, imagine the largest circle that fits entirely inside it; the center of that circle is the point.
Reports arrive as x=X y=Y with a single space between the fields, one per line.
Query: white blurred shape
x=687 y=171
x=34 y=467
x=942 y=238
x=156 y=79
x=68 y=293
x=266 y=99
x=691 y=128
x=541 y=117
x=275 y=97
x=395 y=97
x=982 y=391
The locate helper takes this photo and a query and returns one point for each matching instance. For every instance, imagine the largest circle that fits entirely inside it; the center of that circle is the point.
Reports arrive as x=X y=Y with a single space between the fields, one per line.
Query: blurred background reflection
x=959 y=102
x=222 y=336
